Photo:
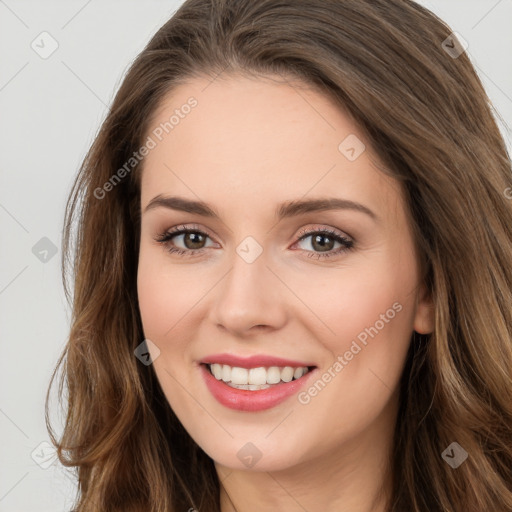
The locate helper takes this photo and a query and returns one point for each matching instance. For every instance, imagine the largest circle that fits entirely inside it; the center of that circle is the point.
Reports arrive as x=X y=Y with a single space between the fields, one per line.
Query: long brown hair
x=428 y=118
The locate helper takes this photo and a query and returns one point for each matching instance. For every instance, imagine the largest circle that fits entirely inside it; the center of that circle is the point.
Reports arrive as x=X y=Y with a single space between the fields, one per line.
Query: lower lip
x=252 y=401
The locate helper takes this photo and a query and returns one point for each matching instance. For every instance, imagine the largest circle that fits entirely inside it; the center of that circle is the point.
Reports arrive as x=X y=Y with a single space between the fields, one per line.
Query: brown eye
x=184 y=241
x=322 y=243
x=194 y=240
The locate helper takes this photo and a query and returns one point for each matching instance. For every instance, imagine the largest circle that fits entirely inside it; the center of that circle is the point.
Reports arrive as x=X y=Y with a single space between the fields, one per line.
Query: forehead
x=253 y=139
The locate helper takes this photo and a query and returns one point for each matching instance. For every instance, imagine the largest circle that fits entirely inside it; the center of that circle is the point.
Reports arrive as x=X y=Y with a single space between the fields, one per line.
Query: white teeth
x=297 y=374
x=216 y=370
x=249 y=387
x=287 y=373
x=273 y=375
x=255 y=387
x=255 y=378
x=239 y=375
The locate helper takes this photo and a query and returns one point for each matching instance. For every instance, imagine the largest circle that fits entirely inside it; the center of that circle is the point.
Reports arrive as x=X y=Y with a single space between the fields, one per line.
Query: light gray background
x=50 y=111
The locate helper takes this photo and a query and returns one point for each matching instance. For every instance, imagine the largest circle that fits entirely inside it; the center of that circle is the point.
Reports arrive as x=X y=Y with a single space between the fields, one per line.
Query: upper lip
x=255 y=361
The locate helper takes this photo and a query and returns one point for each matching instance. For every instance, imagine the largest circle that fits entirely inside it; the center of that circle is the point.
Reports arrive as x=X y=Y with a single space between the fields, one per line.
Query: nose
x=249 y=299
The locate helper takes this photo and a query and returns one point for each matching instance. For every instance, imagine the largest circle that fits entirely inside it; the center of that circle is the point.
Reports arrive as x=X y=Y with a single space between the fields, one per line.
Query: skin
x=250 y=145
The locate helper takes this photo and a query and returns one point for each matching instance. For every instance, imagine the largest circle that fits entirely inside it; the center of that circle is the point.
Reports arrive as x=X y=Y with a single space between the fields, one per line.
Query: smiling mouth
x=255 y=379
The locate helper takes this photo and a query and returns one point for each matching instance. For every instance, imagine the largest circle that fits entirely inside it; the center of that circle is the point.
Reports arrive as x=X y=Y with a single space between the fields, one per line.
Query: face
x=265 y=289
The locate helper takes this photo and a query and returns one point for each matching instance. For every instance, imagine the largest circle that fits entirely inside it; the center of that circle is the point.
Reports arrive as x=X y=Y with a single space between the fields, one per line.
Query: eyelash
x=167 y=236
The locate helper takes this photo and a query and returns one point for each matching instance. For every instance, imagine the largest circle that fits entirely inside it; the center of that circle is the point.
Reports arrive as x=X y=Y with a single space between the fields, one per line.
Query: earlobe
x=424 y=318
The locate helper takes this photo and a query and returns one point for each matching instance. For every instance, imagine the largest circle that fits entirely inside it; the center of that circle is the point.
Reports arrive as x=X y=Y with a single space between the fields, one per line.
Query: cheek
x=370 y=314
x=164 y=296
x=351 y=299
x=155 y=299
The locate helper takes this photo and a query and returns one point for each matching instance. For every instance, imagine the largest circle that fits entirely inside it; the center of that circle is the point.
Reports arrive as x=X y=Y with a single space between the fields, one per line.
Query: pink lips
x=252 y=361
x=252 y=401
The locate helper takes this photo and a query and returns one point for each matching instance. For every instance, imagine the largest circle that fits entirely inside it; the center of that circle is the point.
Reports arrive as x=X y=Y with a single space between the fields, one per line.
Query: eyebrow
x=284 y=210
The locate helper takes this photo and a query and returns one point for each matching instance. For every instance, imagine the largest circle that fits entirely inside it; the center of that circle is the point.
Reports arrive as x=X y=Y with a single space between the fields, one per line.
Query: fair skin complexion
x=247 y=147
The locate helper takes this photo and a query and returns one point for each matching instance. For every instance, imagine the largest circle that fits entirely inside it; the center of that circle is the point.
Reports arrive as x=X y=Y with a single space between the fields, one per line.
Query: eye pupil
x=193 y=238
x=322 y=246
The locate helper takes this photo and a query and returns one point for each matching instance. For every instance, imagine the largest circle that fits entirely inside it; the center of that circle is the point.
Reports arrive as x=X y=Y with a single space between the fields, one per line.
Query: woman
x=292 y=271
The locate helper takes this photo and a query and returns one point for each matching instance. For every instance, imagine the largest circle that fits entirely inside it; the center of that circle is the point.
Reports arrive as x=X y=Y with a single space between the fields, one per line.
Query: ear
x=424 y=317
